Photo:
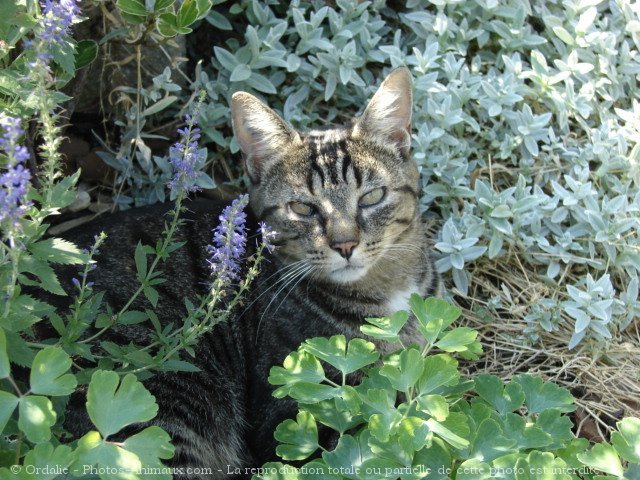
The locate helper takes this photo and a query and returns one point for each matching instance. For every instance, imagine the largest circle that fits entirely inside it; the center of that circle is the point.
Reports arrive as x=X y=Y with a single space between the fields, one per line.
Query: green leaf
x=298 y=439
x=167 y=25
x=305 y=392
x=64 y=192
x=86 y=53
x=219 y=21
x=41 y=269
x=503 y=398
x=299 y=366
x=36 y=418
x=414 y=434
x=432 y=462
x=162 y=4
x=434 y=405
x=48 y=373
x=526 y=435
x=153 y=109
x=57 y=250
x=113 y=405
x=603 y=457
x=474 y=469
x=457 y=340
x=8 y=403
x=241 y=73
x=132 y=7
x=140 y=257
x=5 y=367
x=386 y=418
x=438 y=371
x=545 y=466
x=540 y=395
x=386 y=328
x=187 y=14
x=626 y=439
x=557 y=426
x=132 y=317
x=410 y=368
x=349 y=455
x=490 y=442
x=44 y=458
x=93 y=450
x=454 y=430
x=328 y=413
x=433 y=309
x=345 y=357
x=152 y=295
x=150 y=446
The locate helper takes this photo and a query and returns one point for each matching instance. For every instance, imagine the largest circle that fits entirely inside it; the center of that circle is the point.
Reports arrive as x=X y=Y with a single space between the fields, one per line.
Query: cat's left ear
x=387 y=118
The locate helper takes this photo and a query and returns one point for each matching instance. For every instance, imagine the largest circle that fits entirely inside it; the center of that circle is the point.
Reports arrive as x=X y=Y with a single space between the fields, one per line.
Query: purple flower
x=185 y=157
x=229 y=241
x=14 y=179
x=268 y=235
x=57 y=18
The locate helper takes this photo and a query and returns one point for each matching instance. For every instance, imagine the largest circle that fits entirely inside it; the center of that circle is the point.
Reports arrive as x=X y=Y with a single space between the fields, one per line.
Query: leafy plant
x=412 y=414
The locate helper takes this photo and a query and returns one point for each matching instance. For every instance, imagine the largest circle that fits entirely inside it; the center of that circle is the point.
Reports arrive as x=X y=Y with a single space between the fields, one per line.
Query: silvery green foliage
x=525 y=126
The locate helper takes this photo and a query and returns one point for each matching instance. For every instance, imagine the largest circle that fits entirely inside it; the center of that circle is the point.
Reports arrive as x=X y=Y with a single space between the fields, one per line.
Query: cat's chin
x=347 y=274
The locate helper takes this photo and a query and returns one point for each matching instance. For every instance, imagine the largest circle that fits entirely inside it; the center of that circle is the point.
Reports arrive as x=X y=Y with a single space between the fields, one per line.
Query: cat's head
x=340 y=197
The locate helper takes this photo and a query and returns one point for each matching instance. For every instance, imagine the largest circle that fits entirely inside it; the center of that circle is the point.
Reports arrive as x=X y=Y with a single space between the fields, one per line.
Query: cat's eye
x=301 y=209
x=372 y=197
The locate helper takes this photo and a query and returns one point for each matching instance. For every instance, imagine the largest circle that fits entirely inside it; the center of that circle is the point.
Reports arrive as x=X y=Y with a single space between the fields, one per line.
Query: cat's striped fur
x=351 y=245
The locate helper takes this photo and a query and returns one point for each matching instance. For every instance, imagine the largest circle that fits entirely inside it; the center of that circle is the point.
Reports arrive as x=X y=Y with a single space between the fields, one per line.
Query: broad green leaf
x=41 y=269
x=393 y=452
x=132 y=317
x=545 y=466
x=48 y=373
x=94 y=451
x=113 y=405
x=349 y=455
x=490 y=442
x=5 y=368
x=299 y=366
x=8 y=403
x=219 y=21
x=132 y=7
x=526 y=435
x=86 y=53
x=298 y=439
x=557 y=426
x=167 y=25
x=603 y=457
x=150 y=446
x=345 y=357
x=162 y=4
x=503 y=398
x=473 y=469
x=433 y=309
x=152 y=295
x=410 y=368
x=434 y=405
x=241 y=73
x=386 y=418
x=414 y=434
x=540 y=395
x=433 y=462
x=439 y=370
x=188 y=13
x=305 y=392
x=457 y=340
x=386 y=328
x=36 y=418
x=44 y=458
x=626 y=439
x=454 y=430
x=328 y=413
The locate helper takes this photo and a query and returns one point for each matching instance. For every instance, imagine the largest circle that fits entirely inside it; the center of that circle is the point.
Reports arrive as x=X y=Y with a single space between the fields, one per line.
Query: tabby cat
x=351 y=245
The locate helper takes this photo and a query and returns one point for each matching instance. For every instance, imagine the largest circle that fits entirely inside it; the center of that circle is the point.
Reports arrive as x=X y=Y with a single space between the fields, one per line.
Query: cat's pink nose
x=345 y=249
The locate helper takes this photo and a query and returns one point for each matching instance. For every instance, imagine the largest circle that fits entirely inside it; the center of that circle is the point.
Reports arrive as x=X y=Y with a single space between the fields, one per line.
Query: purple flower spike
x=268 y=235
x=229 y=241
x=14 y=179
x=185 y=157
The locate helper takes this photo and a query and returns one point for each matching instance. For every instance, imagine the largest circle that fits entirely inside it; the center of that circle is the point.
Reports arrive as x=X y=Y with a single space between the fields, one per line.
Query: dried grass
x=604 y=378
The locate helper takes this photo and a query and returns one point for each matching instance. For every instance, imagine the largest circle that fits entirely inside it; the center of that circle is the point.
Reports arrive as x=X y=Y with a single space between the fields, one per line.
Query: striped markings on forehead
x=329 y=160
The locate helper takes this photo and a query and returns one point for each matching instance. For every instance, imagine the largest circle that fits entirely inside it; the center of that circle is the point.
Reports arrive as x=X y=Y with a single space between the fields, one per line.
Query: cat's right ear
x=261 y=133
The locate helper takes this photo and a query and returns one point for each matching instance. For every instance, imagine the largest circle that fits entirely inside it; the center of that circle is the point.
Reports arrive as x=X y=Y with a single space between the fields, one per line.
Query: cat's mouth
x=348 y=273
